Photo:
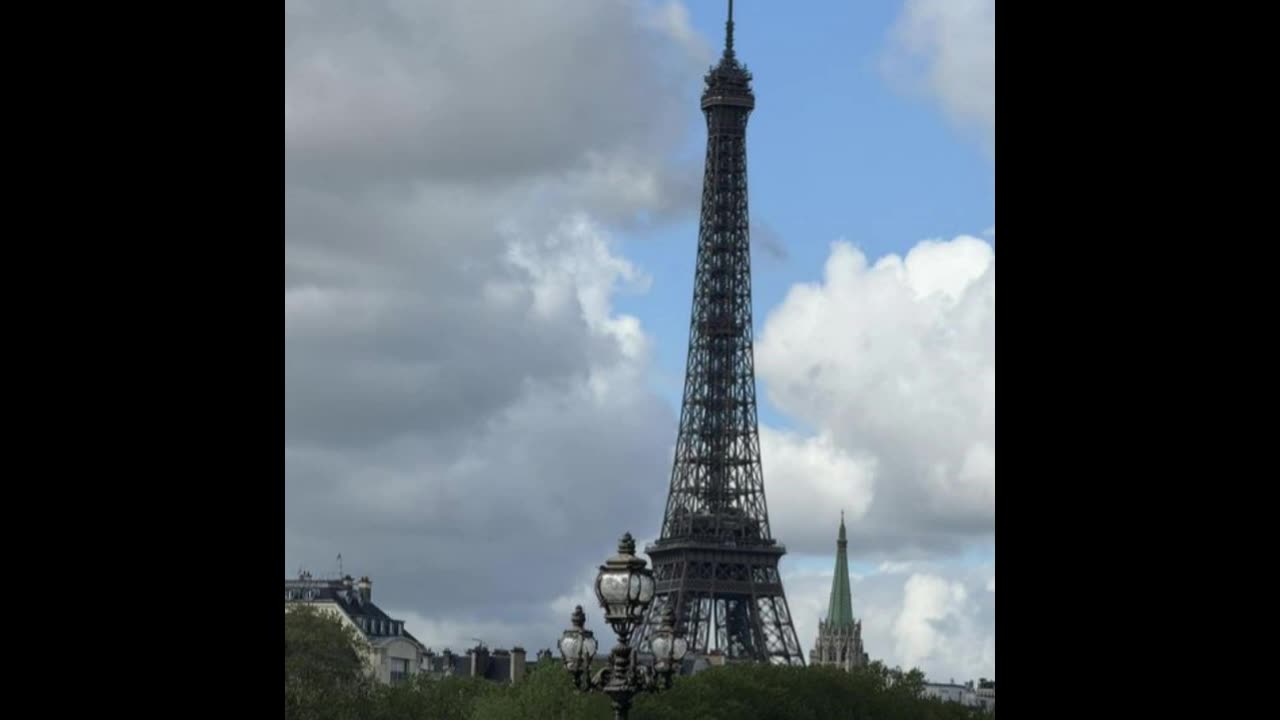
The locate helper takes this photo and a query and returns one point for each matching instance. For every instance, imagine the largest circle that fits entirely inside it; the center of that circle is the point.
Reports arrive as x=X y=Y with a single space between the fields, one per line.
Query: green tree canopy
x=325 y=666
x=326 y=679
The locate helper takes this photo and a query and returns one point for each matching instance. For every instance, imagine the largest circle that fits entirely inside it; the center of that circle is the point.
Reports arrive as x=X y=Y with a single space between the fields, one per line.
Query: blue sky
x=835 y=151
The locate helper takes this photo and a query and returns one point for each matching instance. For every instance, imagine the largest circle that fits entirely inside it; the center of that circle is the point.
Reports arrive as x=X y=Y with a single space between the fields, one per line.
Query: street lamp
x=668 y=648
x=624 y=588
x=577 y=646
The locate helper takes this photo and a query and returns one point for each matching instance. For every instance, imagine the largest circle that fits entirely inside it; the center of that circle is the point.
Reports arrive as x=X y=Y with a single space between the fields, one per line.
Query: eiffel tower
x=715 y=561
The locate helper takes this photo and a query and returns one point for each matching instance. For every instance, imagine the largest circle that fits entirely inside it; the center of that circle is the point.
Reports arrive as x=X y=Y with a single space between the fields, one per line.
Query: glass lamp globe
x=624 y=585
x=570 y=646
x=668 y=650
x=611 y=590
x=678 y=648
x=661 y=646
x=641 y=592
x=577 y=645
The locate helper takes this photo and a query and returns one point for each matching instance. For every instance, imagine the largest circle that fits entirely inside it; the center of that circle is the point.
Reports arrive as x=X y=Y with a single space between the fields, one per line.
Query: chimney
x=479 y=661
x=366 y=590
x=517 y=664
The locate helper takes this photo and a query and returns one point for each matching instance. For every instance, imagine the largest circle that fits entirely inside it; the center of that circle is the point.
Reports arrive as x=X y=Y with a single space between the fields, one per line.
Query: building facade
x=504 y=666
x=986 y=692
x=839 y=641
x=983 y=695
x=952 y=692
x=394 y=655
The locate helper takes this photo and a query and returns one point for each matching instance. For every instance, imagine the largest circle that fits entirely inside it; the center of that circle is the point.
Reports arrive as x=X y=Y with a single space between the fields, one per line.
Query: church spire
x=840 y=608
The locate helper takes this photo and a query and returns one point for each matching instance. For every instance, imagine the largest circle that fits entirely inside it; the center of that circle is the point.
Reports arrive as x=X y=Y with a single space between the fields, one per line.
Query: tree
x=546 y=693
x=326 y=671
x=452 y=698
x=326 y=679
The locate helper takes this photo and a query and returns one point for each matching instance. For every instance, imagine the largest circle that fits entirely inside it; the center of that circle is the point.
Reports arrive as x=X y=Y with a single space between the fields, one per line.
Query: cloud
x=938 y=623
x=890 y=368
x=937 y=618
x=813 y=472
x=894 y=568
x=495 y=94
x=766 y=238
x=893 y=366
x=946 y=48
x=467 y=415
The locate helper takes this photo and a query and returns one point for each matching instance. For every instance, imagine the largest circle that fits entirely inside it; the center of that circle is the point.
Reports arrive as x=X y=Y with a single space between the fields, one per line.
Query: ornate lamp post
x=624 y=588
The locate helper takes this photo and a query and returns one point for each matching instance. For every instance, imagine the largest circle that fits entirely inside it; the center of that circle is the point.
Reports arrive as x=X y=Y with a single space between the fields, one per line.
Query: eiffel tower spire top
x=728 y=82
x=728 y=33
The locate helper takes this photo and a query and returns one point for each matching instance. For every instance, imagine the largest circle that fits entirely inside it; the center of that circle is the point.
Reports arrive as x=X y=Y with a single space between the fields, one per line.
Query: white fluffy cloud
x=947 y=48
x=467 y=416
x=939 y=619
x=893 y=364
x=811 y=473
x=939 y=624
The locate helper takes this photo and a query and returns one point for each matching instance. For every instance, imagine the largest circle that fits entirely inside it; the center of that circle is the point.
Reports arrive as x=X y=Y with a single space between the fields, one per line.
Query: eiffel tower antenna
x=728 y=32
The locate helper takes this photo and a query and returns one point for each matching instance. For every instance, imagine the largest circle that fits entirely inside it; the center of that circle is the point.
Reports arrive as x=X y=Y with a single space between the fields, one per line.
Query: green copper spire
x=840 y=609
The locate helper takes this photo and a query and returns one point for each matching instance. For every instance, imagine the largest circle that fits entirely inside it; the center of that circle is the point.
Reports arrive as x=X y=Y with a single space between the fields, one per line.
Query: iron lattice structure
x=716 y=561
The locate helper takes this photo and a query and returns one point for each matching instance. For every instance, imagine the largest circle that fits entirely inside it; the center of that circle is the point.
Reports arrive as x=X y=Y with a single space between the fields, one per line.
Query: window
x=399 y=669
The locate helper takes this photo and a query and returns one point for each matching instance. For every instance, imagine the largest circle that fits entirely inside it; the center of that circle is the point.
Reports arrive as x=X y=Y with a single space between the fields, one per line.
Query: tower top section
x=729 y=82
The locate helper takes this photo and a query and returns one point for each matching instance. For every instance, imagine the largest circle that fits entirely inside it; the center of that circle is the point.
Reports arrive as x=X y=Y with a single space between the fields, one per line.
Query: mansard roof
x=372 y=621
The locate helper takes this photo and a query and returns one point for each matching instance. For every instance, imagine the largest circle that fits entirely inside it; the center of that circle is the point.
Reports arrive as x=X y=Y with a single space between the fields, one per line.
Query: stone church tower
x=839 y=639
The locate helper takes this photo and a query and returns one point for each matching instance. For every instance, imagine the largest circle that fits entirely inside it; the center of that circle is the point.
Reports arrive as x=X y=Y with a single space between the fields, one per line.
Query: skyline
x=487 y=309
